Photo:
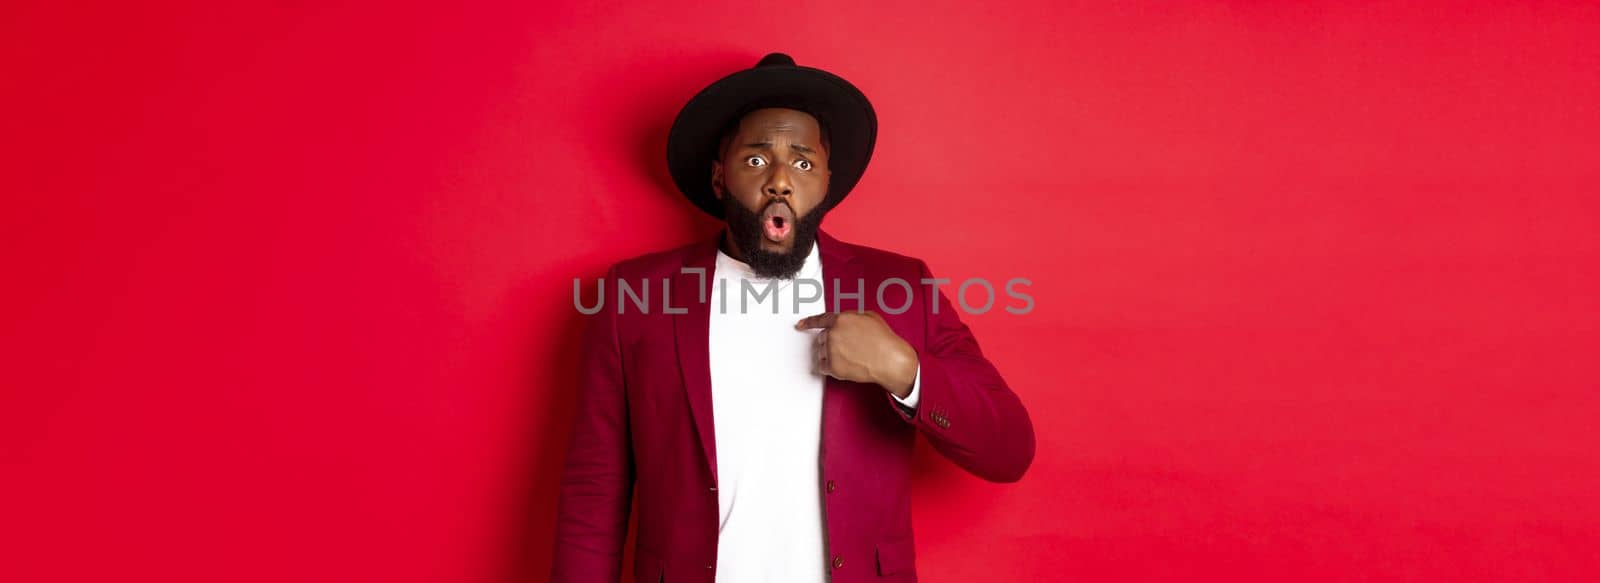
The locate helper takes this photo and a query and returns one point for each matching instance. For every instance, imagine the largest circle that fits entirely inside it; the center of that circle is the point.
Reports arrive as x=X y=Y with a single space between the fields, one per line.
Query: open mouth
x=777 y=222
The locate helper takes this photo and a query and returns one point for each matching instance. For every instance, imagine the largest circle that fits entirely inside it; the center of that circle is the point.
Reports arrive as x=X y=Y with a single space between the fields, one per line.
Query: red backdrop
x=288 y=286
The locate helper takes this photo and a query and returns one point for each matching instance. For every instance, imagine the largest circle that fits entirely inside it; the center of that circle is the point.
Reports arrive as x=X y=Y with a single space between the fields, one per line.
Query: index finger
x=823 y=320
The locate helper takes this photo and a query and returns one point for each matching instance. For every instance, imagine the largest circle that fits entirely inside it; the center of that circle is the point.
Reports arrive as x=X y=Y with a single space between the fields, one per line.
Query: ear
x=717 y=187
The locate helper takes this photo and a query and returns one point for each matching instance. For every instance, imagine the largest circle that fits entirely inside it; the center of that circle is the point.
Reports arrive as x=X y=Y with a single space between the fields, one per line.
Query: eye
x=755 y=161
x=802 y=164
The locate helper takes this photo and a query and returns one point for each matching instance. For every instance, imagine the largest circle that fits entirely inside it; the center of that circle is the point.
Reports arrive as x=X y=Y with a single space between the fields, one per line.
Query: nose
x=778 y=183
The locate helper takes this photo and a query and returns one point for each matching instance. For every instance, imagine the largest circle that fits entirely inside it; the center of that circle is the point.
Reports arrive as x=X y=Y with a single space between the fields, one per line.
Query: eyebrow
x=796 y=147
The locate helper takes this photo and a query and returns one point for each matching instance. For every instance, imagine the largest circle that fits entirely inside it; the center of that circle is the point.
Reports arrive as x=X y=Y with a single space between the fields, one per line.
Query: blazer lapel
x=693 y=331
x=839 y=264
x=840 y=271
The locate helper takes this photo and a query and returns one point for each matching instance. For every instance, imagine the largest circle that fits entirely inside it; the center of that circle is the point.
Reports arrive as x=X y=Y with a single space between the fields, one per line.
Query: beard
x=747 y=230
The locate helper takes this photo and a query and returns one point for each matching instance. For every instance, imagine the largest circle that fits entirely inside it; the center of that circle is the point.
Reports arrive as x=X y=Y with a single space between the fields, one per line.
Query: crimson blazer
x=643 y=424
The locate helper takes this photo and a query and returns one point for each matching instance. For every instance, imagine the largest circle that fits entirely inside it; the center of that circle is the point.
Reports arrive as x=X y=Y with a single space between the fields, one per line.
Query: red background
x=288 y=286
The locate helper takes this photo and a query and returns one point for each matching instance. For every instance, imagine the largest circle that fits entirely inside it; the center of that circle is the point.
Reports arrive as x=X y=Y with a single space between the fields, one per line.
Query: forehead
x=795 y=124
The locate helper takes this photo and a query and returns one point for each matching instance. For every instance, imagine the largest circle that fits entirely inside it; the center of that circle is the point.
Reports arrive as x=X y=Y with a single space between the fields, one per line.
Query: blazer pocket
x=896 y=556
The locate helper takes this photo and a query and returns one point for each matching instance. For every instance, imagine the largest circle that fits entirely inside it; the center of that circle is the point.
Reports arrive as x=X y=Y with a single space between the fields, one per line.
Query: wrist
x=901 y=372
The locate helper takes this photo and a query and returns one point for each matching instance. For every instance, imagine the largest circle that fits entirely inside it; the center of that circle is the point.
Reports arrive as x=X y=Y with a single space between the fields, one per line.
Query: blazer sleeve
x=966 y=410
x=597 y=481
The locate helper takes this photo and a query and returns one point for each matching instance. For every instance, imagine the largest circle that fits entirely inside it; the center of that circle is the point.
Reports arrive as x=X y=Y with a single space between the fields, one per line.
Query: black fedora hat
x=841 y=109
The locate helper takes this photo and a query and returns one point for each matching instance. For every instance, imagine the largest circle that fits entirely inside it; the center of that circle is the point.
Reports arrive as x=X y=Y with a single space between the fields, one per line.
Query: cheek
x=816 y=189
x=742 y=184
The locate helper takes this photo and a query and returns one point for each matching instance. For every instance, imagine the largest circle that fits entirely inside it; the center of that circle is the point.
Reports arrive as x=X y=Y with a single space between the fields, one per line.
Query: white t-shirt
x=767 y=411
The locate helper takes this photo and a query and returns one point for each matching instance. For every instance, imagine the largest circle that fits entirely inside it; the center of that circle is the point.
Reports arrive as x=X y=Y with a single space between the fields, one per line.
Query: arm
x=964 y=407
x=597 y=483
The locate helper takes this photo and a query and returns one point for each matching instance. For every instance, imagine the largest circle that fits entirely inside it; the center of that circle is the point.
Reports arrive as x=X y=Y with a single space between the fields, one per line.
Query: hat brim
x=844 y=110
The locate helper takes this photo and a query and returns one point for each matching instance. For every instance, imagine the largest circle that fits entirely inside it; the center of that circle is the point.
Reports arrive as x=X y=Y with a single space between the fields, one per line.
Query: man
x=765 y=416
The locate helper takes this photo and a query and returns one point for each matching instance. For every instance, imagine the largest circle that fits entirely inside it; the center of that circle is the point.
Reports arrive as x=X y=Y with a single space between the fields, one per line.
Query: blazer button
x=832 y=486
x=838 y=561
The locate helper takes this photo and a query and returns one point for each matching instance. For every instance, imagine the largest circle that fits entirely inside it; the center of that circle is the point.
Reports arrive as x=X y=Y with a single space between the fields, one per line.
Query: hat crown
x=775 y=60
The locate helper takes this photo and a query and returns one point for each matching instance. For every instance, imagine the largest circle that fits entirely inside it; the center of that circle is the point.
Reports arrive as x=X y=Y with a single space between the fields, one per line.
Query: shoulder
x=663 y=263
x=882 y=261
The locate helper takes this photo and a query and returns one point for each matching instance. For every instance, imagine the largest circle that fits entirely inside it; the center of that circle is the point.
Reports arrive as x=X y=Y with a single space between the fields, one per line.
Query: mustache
x=736 y=210
x=777 y=201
